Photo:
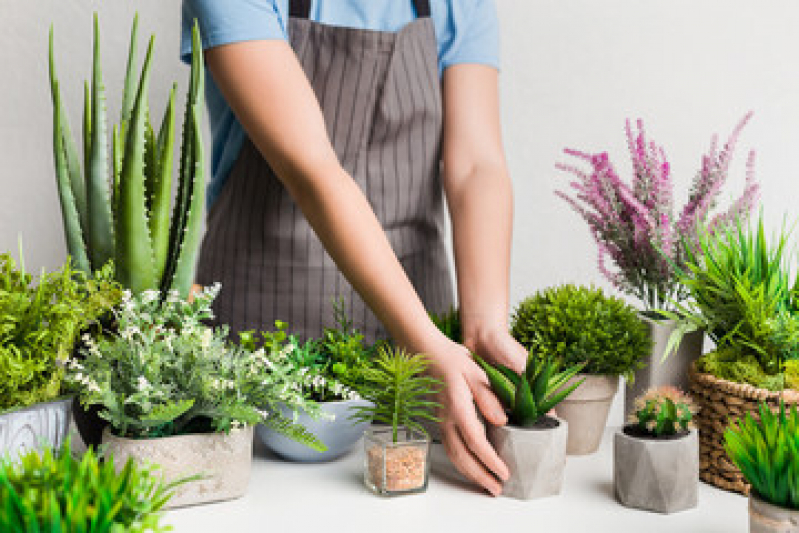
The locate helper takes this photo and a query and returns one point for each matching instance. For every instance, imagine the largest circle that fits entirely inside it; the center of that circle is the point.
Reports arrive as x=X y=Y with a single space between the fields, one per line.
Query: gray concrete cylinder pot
x=223 y=460
x=586 y=410
x=765 y=517
x=672 y=371
x=32 y=428
x=660 y=475
x=335 y=430
x=535 y=458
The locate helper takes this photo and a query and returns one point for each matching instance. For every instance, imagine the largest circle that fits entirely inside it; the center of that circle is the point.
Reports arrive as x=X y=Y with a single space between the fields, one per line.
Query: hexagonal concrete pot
x=672 y=371
x=223 y=460
x=31 y=428
x=765 y=517
x=586 y=410
x=535 y=457
x=660 y=475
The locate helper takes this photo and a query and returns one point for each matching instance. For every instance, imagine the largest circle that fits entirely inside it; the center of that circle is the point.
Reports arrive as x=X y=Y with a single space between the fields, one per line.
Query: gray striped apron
x=380 y=95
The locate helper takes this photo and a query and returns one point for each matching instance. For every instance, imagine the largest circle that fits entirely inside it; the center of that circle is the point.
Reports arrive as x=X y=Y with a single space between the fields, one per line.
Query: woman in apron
x=339 y=127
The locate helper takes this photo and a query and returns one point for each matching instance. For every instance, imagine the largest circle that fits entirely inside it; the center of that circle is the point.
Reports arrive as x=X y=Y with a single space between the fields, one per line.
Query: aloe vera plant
x=121 y=210
x=529 y=396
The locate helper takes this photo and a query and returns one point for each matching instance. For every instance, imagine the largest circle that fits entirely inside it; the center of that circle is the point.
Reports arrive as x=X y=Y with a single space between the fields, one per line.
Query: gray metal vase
x=535 y=457
x=34 y=427
x=660 y=475
x=765 y=517
x=335 y=430
x=672 y=371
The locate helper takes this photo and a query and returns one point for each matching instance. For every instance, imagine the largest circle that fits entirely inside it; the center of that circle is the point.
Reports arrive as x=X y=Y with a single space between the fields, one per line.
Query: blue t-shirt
x=466 y=30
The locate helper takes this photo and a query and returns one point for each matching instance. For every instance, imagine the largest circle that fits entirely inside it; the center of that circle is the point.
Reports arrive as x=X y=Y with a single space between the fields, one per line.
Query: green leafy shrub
x=767 y=452
x=41 y=493
x=744 y=296
x=728 y=364
x=583 y=325
x=39 y=323
x=399 y=391
x=530 y=396
x=449 y=324
x=165 y=373
x=663 y=411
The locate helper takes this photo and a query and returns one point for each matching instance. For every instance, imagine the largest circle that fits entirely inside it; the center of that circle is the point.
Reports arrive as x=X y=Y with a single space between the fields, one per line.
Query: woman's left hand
x=496 y=345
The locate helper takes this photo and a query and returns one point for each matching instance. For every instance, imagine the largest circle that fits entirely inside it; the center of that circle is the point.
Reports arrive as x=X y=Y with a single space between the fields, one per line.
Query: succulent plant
x=663 y=411
x=449 y=324
x=124 y=215
x=767 y=452
x=528 y=397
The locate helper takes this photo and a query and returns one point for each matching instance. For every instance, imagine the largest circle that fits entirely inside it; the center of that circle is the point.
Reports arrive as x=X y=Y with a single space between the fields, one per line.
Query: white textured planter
x=32 y=428
x=535 y=458
x=768 y=518
x=586 y=410
x=223 y=460
x=672 y=371
x=660 y=475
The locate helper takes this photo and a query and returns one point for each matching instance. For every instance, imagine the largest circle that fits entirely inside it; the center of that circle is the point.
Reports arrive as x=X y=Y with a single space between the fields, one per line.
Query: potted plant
x=532 y=444
x=582 y=325
x=39 y=323
x=397 y=451
x=656 y=456
x=178 y=393
x=636 y=228
x=332 y=370
x=744 y=294
x=767 y=452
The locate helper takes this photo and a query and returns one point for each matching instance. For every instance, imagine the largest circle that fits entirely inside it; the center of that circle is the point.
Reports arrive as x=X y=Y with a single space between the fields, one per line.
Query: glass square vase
x=393 y=468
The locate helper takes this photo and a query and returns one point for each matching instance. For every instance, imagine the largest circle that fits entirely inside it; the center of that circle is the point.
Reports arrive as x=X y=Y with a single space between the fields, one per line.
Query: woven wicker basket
x=719 y=401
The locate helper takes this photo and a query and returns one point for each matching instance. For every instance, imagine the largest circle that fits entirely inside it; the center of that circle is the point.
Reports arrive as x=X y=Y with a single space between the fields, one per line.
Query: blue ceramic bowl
x=339 y=434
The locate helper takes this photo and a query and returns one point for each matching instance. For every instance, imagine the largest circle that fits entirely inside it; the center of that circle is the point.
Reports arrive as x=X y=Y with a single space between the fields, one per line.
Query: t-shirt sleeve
x=230 y=21
x=475 y=34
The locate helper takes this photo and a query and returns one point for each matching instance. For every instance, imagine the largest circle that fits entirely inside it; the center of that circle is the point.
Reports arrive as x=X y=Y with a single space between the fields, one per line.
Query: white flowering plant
x=164 y=372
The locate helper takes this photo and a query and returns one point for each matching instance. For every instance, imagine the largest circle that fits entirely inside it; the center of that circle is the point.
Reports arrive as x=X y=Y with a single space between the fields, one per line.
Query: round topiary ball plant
x=579 y=324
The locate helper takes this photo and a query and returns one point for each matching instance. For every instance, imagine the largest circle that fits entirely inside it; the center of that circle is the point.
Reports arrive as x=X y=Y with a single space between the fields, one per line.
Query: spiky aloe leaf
x=100 y=237
x=503 y=387
x=134 y=254
x=87 y=125
x=129 y=90
x=150 y=163
x=525 y=411
x=116 y=155
x=162 y=188
x=72 y=230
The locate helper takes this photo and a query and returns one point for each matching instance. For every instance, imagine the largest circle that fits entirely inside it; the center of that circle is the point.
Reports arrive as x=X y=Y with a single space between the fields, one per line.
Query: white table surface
x=331 y=497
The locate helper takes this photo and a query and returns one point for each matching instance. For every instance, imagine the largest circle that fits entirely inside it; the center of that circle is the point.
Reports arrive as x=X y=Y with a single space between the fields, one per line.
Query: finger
x=509 y=352
x=473 y=435
x=467 y=464
x=488 y=404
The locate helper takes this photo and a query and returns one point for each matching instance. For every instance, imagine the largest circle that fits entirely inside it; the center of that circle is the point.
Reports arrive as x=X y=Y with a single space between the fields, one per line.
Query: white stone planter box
x=32 y=428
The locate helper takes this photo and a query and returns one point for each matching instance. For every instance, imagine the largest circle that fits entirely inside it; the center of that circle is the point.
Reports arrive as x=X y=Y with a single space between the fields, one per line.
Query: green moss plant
x=729 y=364
x=45 y=493
x=662 y=412
x=120 y=209
x=767 y=452
x=528 y=397
x=582 y=325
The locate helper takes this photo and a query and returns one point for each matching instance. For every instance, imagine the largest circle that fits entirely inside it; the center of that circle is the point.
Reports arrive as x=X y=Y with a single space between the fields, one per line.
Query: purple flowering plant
x=635 y=225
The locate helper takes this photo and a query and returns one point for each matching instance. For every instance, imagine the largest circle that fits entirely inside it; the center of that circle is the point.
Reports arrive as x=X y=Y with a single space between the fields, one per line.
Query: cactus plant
x=124 y=214
x=663 y=411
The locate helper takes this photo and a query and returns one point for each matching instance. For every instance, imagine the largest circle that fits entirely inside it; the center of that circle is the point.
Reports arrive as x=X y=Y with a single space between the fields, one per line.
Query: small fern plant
x=57 y=493
x=663 y=411
x=767 y=452
x=400 y=392
x=528 y=397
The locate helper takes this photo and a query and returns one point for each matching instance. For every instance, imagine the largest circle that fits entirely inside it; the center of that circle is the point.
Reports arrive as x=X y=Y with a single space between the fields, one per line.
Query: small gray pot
x=33 y=428
x=766 y=517
x=223 y=460
x=586 y=410
x=660 y=475
x=336 y=430
x=535 y=458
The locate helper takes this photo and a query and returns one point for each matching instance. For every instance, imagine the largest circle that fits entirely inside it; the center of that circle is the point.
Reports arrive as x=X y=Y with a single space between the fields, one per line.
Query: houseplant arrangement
x=532 y=444
x=332 y=371
x=582 y=325
x=124 y=214
x=41 y=492
x=178 y=393
x=767 y=452
x=397 y=453
x=636 y=228
x=744 y=294
x=656 y=456
x=39 y=323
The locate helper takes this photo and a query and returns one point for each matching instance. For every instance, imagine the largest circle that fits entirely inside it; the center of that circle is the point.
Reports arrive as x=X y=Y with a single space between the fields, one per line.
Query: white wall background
x=573 y=70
